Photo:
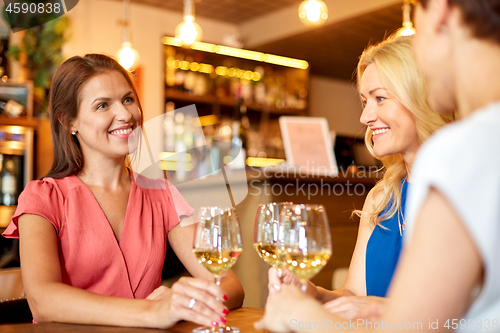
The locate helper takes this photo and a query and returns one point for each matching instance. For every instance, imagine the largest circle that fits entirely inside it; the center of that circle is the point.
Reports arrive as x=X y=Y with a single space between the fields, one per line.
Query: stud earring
x=73 y=132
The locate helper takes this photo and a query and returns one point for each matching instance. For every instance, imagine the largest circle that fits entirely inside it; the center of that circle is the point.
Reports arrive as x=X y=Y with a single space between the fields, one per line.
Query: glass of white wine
x=217 y=245
x=268 y=234
x=307 y=238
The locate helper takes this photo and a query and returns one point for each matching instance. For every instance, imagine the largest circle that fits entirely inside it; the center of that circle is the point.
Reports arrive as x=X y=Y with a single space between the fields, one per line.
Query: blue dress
x=383 y=249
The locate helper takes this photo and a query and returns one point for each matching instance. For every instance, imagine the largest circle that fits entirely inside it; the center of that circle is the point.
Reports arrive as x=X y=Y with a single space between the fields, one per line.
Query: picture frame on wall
x=308 y=145
x=17 y=94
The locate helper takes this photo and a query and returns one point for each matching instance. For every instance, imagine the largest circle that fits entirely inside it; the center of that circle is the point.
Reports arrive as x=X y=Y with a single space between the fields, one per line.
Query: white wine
x=305 y=266
x=269 y=253
x=217 y=262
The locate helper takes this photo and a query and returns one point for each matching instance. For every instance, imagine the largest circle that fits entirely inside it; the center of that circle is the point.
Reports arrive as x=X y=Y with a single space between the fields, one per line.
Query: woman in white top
x=449 y=271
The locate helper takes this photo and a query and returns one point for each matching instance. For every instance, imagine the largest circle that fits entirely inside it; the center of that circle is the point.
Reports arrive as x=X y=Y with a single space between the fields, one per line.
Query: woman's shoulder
x=373 y=199
x=160 y=189
x=146 y=183
x=48 y=185
x=155 y=189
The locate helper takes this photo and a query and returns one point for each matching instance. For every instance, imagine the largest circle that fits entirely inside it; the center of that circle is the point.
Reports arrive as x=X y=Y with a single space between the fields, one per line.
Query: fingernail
x=223 y=320
x=225 y=298
x=276 y=287
x=214 y=323
x=225 y=311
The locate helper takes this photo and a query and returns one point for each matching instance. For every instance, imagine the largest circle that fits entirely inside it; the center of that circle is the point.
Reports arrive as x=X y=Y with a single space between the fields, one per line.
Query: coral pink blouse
x=89 y=254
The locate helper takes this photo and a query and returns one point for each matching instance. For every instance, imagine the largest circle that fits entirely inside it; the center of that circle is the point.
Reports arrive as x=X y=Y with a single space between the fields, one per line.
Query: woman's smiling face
x=393 y=125
x=107 y=114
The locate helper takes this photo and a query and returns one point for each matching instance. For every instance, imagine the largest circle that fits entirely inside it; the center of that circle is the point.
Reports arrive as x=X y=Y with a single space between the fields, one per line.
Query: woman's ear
x=60 y=119
x=440 y=13
x=71 y=125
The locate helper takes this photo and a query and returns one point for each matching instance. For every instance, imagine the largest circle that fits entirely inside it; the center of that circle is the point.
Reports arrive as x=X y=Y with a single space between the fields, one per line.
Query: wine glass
x=307 y=240
x=268 y=232
x=217 y=245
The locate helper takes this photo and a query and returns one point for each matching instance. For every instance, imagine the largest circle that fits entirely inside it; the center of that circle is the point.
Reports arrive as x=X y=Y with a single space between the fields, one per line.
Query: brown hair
x=482 y=17
x=64 y=104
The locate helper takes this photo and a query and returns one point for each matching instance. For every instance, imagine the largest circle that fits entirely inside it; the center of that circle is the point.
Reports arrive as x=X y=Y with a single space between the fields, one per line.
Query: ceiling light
x=313 y=12
x=127 y=56
x=188 y=31
x=239 y=53
x=407 y=29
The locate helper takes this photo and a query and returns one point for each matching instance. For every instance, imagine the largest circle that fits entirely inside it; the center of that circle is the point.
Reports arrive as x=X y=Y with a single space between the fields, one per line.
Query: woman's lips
x=378 y=132
x=121 y=133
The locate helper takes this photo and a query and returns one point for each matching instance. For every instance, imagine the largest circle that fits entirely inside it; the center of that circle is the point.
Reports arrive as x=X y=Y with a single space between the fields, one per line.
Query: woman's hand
x=367 y=307
x=281 y=308
x=191 y=299
x=288 y=278
x=275 y=281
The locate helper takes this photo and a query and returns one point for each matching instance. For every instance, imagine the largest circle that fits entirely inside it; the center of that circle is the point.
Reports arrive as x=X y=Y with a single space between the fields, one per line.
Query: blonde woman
x=398 y=119
x=447 y=278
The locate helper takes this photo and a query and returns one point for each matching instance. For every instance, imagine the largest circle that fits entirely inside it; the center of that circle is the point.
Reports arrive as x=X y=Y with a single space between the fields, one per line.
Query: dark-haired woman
x=92 y=241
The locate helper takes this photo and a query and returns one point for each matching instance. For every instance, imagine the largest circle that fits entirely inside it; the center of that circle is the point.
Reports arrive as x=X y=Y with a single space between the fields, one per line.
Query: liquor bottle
x=9 y=183
x=4 y=45
x=180 y=147
x=238 y=137
x=10 y=108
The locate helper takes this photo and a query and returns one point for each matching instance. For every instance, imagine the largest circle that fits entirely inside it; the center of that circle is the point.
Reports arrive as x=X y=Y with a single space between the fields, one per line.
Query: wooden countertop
x=242 y=318
x=286 y=174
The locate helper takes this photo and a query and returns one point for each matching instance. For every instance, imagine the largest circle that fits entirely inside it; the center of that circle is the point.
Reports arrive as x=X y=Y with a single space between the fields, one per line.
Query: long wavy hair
x=402 y=77
x=64 y=103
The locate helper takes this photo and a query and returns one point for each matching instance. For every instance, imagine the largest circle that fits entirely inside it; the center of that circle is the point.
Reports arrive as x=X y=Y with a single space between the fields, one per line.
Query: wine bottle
x=9 y=183
x=4 y=45
x=238 y=140
x=11 y=108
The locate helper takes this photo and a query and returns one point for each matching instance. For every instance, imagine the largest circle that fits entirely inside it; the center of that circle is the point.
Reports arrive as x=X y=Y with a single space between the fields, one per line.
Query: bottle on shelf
x=4 y=45
x=180 y=147
x=238 y=134
x=10 y=108
x=9 y=183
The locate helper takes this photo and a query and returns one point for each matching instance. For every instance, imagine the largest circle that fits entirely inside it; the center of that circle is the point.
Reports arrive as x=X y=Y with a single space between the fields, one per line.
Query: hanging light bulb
x=313 y=12
x=188 y=30
x=407 y=29
x=127 y=56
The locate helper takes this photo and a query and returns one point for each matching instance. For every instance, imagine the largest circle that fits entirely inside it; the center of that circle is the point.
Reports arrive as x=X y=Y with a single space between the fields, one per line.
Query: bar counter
x=339 y=194
x=243 y=318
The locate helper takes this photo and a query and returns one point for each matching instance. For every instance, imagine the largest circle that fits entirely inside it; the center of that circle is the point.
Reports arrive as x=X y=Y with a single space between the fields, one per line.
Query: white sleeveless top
x=462 y=161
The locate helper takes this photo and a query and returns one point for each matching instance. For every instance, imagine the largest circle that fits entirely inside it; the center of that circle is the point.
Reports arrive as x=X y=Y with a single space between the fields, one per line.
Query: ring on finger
x=192 y=302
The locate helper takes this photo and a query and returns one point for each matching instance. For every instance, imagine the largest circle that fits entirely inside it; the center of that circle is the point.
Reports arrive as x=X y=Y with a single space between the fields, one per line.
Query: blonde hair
x=401 y=76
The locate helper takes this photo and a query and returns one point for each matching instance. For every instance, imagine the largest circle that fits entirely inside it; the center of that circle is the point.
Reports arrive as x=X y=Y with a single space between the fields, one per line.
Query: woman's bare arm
x=439 y=268
x=51 y=300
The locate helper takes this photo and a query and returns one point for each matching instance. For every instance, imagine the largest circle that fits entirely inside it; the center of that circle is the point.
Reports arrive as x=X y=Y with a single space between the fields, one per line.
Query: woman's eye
x=380 y=99
x=363 y=104
x=129 y=100
x=102 y=106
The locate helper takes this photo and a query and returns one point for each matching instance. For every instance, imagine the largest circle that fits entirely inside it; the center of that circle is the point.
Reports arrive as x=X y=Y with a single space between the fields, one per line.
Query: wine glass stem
x=303 y=285
x=221 y=325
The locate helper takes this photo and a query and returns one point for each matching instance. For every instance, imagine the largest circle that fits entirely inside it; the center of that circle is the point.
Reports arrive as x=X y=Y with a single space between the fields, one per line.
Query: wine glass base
x=220 y=329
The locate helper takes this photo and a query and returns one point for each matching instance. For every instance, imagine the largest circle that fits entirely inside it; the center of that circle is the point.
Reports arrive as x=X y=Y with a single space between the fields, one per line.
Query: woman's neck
x=408 y=159
x=477 y=79
x=111 y=176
